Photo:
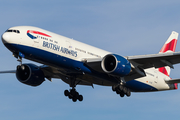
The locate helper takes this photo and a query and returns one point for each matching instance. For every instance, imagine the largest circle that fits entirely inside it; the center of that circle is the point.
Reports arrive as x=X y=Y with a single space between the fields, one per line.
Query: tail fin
x=169 y=46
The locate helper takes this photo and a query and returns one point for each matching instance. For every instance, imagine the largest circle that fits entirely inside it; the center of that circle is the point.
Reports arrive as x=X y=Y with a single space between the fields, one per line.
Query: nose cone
x=5 y=37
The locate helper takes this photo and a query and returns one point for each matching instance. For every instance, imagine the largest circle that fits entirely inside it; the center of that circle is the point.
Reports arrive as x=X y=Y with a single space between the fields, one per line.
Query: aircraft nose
x=5 y=37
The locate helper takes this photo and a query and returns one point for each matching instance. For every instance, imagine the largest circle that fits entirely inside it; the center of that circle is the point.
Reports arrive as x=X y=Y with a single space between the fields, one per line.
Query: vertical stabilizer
x=169 y=46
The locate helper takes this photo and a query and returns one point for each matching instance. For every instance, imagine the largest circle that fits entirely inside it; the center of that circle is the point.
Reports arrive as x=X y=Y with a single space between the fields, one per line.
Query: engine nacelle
x=116 y=65
x=30 y=74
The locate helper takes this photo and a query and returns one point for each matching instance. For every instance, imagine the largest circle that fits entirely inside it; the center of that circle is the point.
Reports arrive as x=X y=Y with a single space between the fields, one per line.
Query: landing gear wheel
x=128 y=93
x=74 y=99
x=80 y=98
x=114 y=88
x=121 y=90
x=121 y=94
x=70 y=96
x=124 y=90
x=74 y=95
x=72 y=92
x=117 y=92
x=121 y=87
x=66 y=93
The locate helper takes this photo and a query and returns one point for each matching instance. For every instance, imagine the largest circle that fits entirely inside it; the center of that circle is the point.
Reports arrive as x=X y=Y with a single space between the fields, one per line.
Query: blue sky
x=122 y=27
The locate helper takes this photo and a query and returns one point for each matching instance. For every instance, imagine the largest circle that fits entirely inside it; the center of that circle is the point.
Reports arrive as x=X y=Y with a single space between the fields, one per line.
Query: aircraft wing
x=63 y=74
x=10 y=71
x=139 y=63
x=52 y=72
x=155 y=60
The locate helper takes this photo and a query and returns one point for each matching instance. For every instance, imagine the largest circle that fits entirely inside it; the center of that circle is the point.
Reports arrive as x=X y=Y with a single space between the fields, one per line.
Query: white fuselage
x=62 y=47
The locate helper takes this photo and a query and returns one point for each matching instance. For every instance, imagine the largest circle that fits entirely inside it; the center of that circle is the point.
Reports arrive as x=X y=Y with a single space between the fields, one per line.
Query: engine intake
x=116 y=65
x=30 y=74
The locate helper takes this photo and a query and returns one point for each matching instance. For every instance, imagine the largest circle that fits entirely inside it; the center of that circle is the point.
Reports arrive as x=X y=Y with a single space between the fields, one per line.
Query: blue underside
x=48 y=58
x=137 y=86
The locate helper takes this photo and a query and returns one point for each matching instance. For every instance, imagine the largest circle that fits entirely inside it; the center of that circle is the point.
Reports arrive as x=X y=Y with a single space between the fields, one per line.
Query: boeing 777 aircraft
x=77 y=63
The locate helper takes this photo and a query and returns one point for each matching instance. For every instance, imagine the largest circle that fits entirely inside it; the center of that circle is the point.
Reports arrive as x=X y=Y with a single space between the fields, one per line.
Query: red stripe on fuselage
x=39 y=33
x=169 y=46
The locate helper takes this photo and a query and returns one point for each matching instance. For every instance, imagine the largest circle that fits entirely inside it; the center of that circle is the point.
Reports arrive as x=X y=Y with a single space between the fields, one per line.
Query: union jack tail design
x=169 y=46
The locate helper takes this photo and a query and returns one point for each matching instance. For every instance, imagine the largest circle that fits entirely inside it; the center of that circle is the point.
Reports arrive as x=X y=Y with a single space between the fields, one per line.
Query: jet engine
x=116 y=65
x=30 y=74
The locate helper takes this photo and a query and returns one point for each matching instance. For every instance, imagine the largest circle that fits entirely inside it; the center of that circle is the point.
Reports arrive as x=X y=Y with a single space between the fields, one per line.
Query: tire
x=121 y=94
x=80 y=98
x=124 y=90
x=72 y=92
x=114 y=88
x=121 y=87
x=70 y=96
x=74 y=99
x=76 y=95
x=66 y=93
x=128 y=93
x=117 y=92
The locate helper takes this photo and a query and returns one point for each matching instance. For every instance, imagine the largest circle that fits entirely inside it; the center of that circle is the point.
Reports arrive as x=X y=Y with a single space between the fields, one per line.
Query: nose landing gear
x=19 y=56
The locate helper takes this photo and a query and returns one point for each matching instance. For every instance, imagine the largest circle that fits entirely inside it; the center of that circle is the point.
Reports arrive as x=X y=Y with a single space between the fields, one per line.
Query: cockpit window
x=16 y=31
x=9 y=31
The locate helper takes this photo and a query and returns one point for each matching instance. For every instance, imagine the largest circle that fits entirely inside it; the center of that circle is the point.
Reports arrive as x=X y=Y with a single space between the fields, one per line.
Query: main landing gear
x=121 y=90
x=72 y=93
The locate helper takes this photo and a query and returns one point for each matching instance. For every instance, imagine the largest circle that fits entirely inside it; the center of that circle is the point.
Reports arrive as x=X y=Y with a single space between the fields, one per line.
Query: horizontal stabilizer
x=171 y=81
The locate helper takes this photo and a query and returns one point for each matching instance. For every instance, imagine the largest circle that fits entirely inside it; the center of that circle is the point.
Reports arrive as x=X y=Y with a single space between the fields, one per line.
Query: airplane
x=77 y=63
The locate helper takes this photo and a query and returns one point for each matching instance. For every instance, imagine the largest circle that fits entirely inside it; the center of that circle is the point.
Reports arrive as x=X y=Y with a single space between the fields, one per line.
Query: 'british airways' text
x=60 y=49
